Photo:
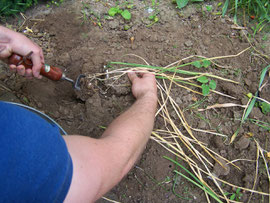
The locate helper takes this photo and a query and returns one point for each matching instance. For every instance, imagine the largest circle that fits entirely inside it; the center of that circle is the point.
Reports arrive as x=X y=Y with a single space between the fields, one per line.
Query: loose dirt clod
x=242 y=143
x=223 y=170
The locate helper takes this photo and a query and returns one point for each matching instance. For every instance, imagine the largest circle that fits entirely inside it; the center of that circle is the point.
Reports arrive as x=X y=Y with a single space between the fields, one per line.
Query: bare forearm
x=132 y=129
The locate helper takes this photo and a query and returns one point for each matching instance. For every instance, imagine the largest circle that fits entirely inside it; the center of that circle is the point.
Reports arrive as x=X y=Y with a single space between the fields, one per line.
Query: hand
x=13 y=42
x=143 y=86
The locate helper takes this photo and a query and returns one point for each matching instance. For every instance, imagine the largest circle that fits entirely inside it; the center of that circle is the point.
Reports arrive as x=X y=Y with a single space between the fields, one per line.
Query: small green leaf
x=126 y=15
x=206 y=63
x=203 y=79
x=205 y=89
x=197 y=64
x=209 y=8
x=113 y=11
x=25 y=100
x=238 y=190
x=181 y=3
x=232 y=197
x=151 y=17
x=212 y=84
x=265 y=107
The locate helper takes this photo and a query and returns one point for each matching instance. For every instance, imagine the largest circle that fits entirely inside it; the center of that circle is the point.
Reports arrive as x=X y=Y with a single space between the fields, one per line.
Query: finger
x=37 y=64
x=28 y=73
x=132 y=76
x=21 y=70
x=148 y=75
x=13 y=68
x=42 y=57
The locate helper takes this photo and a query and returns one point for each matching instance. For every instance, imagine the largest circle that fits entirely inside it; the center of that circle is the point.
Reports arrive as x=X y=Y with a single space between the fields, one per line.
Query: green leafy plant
x=154 y=19
x=265 y=107
x=204 y=63
x=264 y=38
x=55 y=2
x=90 y=15
x=251 y=104
x=8 y=7
x=257 y=9
x=153 y=11
x=209 y=8
x=206 y=85
x=183 y=3
x=117 y=10
x=235 y=196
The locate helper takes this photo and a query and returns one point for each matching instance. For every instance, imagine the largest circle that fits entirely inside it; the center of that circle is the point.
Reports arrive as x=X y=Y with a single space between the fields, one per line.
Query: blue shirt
x=35 y=165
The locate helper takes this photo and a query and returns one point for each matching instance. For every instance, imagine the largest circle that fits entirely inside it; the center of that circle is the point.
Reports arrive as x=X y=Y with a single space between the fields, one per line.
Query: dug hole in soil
x=72 y=39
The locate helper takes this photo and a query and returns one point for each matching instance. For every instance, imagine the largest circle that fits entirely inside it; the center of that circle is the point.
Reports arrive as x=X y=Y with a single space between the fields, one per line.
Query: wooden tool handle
x=50 y=72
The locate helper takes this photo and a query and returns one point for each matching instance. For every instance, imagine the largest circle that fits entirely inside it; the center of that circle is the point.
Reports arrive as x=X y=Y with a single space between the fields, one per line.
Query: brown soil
x=81 y=46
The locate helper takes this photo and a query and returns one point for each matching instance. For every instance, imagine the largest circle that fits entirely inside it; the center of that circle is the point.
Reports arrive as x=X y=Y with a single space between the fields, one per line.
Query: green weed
x=194 y=180
x=209 y=8
x=264 y=38
x=256 y=9
x=8 y=7
x=122 y=10
x=55 y=2
x=251 y=103
x=90 y=15
x=261 y=124
x=265 y=107
x=235 y=196
x=153 y=11
x=183 y=3
x=196 y=104
x=207 y=85
x=204 y=63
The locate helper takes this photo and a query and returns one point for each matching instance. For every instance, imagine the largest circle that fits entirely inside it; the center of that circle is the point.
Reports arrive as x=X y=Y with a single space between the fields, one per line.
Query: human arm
x=13 y=42
x=99 y=164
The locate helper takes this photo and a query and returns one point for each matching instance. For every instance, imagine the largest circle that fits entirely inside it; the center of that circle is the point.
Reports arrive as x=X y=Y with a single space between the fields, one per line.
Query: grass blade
x=264 y=71
x=225 y=7
x=235 y=11
x=198 y=183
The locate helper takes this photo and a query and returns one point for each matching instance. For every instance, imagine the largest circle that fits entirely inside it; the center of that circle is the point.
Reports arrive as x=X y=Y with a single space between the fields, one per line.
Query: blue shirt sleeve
x=35 y=165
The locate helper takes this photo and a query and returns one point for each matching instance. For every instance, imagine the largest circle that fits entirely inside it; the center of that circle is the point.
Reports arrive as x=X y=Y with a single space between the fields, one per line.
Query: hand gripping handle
x=47 y=71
